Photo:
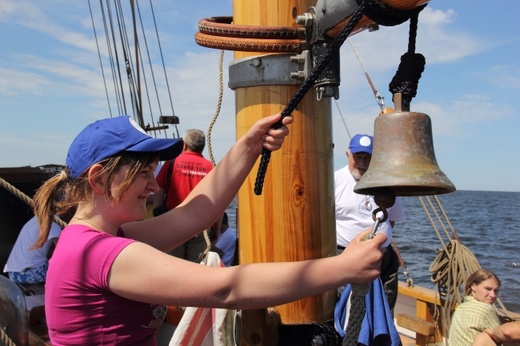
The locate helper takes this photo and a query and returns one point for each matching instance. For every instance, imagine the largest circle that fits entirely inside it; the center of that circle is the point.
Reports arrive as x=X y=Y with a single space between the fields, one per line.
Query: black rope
x=406 y=79
x=355 y=319
x=305 y=86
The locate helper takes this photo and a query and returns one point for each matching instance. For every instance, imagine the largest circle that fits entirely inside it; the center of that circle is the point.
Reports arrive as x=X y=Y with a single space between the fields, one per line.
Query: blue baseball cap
x=109 y=137
x=361 y=143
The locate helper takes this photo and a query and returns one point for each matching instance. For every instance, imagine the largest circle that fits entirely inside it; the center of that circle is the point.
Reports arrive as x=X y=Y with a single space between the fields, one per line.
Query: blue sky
x=51 y=84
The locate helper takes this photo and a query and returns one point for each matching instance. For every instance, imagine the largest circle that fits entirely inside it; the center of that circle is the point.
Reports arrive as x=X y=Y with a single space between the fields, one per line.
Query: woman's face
x=486 y=291
x=132 y=203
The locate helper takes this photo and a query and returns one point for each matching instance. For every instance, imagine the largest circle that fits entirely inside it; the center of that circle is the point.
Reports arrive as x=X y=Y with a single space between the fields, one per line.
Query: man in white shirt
x=354 y=211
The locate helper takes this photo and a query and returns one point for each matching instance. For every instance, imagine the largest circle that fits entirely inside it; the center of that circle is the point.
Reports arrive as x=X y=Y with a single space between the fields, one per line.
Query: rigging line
x=317 y=69
x=118 y=79
x=219 y=104
x=119 y=101
x=438 y=218
x=145 y=79
x=99 y=57
x=427 y=212
x=342 y=119
x=127 y=55
x=455 y=235
x=162 y=59
x=138 y=96
x=154 y=83
x=379 y=98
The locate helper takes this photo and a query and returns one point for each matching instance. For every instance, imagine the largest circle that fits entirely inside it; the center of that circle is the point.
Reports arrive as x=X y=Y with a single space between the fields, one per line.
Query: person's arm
x=509 y=331
x=173 y=281
x=213 y=194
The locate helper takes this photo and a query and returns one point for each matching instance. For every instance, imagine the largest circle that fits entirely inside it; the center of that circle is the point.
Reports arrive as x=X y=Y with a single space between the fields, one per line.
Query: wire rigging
x=99 y=57
x=162 y=59
x=129 y=52
x=379 y=98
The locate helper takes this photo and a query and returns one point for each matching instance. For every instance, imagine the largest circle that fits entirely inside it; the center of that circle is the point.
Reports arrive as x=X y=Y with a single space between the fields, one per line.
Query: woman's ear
x=96 y=179
x=473 y=288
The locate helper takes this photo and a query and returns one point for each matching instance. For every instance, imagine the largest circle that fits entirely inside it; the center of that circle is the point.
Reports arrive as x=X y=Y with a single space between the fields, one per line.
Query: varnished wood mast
x=294 y=217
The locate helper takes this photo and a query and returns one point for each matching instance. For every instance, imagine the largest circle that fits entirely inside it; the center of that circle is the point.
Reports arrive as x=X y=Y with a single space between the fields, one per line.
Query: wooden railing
x=422 y=323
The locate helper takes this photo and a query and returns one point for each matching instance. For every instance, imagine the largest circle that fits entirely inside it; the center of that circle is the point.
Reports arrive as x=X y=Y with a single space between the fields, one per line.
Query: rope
x=410 y=68
x=250 y=44
x=5 y=184
x=222 y=26
x=356 y=315
x=219 y=105
x=4 y=338
x=305 y=86
x=452 y=266
x=210 y=130
x=450 y=270
x=220 y=33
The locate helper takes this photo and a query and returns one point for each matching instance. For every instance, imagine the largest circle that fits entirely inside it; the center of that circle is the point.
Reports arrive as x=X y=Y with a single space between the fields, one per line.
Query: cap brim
x=360 y=150
x=167 y=148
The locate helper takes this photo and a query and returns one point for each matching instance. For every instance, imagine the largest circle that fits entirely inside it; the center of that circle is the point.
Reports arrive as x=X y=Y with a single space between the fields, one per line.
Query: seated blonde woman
x=476 y=313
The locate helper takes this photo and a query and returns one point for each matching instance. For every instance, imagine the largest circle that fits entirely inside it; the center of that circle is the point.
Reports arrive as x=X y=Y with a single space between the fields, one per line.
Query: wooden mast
x=293 y=219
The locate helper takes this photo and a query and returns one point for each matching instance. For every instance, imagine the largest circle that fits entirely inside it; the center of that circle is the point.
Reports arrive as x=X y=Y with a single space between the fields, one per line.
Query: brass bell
x=403 y=160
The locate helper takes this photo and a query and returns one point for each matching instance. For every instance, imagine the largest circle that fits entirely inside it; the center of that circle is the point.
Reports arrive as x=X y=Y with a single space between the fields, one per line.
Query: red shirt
x=188 y=170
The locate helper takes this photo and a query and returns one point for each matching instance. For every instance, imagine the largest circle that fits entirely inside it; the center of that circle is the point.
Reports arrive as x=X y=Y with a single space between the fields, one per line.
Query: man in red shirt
x=185 y=172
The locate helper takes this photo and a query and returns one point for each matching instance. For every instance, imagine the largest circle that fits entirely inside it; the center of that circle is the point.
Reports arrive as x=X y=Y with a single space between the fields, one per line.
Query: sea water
x=487 y=223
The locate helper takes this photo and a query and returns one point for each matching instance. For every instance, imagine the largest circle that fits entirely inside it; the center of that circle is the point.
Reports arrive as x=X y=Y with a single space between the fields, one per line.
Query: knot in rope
x=410 y=68
x=406 y=79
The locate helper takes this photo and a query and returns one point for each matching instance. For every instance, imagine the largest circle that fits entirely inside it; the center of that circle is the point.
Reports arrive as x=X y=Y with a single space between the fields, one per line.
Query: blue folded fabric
x=378 y=327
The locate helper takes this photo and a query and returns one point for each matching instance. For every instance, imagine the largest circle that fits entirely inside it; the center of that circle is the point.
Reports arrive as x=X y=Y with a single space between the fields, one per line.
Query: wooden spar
x=293 y=219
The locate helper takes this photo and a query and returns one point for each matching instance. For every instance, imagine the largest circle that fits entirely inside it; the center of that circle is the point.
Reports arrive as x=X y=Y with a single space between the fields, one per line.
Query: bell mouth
x=406 y=190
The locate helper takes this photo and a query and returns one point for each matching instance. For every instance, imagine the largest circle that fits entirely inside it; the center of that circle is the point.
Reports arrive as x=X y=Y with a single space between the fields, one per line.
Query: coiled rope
x=220 y=33
x=4 y=338
x=452 y=266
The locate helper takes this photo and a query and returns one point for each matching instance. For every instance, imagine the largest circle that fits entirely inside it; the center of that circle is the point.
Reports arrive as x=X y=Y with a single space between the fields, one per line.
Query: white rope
x=210 y=129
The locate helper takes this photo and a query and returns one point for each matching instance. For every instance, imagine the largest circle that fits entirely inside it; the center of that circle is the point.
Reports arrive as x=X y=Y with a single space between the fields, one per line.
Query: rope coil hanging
x=220 y=33
x=452 y=265
x=222 y=26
